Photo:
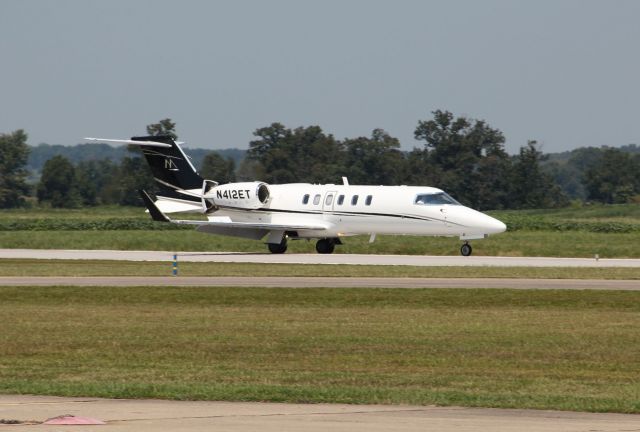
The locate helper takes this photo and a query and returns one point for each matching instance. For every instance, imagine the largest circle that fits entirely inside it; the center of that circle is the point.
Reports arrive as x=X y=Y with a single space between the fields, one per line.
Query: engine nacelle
x=247 y=195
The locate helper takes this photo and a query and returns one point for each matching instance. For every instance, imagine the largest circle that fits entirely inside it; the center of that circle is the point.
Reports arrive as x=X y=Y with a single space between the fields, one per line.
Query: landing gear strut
x=466 y=249
x=278 y=248
x=325 y=246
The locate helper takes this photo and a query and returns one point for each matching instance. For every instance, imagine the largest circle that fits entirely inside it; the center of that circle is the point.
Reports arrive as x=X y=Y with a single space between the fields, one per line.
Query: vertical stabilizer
x=170 y=166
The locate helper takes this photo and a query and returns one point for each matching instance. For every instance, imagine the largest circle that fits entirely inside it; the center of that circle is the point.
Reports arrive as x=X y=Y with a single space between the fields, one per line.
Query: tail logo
x=170 y=165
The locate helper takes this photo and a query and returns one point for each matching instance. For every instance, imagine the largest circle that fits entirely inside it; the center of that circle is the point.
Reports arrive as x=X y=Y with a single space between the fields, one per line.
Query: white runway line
x=319 y=282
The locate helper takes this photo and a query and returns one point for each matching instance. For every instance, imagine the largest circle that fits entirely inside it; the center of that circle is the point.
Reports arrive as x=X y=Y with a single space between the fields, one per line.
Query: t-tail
x=171 y=168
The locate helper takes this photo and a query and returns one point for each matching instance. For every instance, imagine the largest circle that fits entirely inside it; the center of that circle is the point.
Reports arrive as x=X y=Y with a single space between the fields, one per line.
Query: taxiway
x=354 y=259
x=161 y=415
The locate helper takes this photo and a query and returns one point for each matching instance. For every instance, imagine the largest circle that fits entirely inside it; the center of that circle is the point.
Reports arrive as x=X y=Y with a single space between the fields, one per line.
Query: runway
x=160 y=415
x=353 y=259
x=321 y=282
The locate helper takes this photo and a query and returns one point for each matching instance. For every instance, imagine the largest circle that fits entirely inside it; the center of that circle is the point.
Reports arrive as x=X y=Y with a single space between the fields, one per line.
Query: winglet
x=154 y=211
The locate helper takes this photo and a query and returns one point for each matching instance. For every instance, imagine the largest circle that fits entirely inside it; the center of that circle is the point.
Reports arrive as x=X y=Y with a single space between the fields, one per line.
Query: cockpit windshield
x=438 y=198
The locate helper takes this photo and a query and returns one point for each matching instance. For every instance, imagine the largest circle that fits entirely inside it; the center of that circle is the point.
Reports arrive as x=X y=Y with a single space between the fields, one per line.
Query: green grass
x=594 y=212
x=99 y=212
x=33 y=267
x=629 y=213
x=569 y=350
x=519 y=243
x=611 y=231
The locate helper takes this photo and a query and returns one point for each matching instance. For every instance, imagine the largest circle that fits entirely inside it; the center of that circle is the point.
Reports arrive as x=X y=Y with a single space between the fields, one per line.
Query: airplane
x=279 y=213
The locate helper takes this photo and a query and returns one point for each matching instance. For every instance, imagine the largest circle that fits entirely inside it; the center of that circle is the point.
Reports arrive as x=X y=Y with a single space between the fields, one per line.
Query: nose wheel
x=466 y=249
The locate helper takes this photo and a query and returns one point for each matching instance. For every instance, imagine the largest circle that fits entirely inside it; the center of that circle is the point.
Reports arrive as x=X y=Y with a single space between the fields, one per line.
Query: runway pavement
x=158 y=415
x=328 y=282
x=356 y=259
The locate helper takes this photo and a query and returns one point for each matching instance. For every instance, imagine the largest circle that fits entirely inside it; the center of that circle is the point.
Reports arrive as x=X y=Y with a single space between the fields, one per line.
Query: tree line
x=64 y=184
x=463 y=156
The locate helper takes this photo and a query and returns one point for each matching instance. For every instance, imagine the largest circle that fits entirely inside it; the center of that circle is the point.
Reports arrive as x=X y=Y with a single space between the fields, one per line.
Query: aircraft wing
x=158 y=215
x=252 y=225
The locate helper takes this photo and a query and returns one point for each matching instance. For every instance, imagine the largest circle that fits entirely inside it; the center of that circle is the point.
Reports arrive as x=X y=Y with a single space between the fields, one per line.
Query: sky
x=565 y=73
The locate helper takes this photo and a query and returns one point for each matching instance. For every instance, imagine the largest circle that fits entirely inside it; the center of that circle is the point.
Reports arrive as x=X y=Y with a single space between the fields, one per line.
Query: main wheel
x=325 y=246
x=277 y=248
x=466 y=249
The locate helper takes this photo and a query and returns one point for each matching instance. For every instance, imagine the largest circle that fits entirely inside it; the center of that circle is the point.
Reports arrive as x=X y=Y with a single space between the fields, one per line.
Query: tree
x=374 y=161
x=614 y=178
x=97 y=181
x=532 y=187
x=218 y=168
x=13 y=158
x=250 y=170
x=163 y=127
x=305 y=154
x=458 y=155
x=134 y=174
x=273 y=151
x=319 y=158
x=58 y=184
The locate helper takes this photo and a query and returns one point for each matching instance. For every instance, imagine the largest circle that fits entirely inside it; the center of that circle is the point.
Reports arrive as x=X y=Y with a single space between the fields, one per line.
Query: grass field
x=537 y=241
x=597 y=212
x=99 y=212
x=628 y=213
x=519 y=243
x=32 y=267
x=568 y=350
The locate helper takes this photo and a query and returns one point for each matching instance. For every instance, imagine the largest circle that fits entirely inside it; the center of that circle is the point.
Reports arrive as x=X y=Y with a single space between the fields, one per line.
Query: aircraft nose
x=494 y=226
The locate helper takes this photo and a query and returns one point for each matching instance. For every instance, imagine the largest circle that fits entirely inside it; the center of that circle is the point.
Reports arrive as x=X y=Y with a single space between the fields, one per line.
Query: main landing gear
x=278 y=248
x=325 y=246
x=466 y=249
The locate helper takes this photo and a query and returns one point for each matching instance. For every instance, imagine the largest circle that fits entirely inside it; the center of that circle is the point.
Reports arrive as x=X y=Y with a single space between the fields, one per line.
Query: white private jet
x=329 y=212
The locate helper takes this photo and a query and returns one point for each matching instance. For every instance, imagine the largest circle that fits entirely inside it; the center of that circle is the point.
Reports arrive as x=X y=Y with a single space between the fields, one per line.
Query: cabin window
x=438 y=198
x=368 y=200
x=328 y=200
x=354 y=200
x=340 y=199
x=305 y=199
x=316 y=199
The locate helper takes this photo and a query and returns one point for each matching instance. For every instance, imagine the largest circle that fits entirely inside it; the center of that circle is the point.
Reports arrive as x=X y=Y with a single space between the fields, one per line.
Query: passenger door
x=328 y=202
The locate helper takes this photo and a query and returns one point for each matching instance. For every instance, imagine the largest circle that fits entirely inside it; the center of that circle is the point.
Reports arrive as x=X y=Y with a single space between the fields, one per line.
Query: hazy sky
x=566 y=73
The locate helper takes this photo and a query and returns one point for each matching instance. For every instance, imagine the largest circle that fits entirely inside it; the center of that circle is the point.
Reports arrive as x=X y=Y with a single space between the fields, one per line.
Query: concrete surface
x=413 y=260
x=158 y=415
x=329 y=282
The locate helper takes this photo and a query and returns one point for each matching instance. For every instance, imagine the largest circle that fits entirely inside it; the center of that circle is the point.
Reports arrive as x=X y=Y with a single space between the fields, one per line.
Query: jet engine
x=246 y=195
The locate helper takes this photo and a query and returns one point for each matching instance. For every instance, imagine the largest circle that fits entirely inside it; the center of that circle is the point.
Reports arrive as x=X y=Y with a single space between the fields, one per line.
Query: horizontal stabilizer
x=121 y=141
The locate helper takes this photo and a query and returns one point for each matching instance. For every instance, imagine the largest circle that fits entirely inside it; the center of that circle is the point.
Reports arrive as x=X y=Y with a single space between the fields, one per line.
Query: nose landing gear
x=466 y=249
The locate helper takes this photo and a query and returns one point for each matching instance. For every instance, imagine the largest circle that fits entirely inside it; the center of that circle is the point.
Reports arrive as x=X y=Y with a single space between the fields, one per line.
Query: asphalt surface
x=328 y=282
x=356 y=259
x=158 y=415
